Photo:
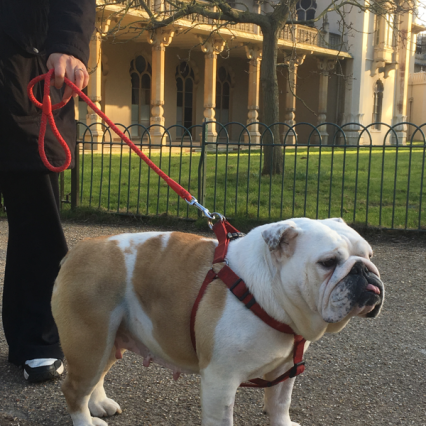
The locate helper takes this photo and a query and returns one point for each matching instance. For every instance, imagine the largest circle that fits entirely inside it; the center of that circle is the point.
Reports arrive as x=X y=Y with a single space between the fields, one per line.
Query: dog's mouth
x=360 y=293
x=370 y=299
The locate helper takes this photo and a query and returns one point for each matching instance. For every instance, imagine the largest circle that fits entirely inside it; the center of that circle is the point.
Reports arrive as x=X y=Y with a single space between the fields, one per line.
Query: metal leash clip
x=210 y=216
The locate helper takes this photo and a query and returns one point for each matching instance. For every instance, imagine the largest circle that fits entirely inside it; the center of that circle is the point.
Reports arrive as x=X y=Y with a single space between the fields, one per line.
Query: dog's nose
x=359 y=268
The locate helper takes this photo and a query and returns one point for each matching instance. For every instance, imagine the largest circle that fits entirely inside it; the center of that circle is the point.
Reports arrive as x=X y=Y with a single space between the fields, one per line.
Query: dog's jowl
x=136 y=292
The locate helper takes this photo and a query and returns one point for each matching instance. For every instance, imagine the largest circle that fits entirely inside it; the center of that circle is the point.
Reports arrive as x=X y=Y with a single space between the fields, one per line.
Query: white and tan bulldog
x=136 y=291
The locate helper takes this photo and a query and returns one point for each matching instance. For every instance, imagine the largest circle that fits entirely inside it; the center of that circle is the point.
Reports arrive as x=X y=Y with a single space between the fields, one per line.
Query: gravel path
x=372 y=373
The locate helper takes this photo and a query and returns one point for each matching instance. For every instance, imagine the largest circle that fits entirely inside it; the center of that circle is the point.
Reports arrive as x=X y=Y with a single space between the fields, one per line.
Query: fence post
x=202 y=170
x=75 y=178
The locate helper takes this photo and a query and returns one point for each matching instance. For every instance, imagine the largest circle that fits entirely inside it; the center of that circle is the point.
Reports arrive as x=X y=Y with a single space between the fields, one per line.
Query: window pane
x=179 y=84
x=146 y=81
x=140 y=64
x=135 y=80
x=218 y=101
x=146 y=97
x=144 y=115
x=184 y=69
x=179 y=117
x=222 y=74
x=188 y=116
x=225 y=116
x=135 y=114
x=179 y=102
x=188 y=85
x=225 y=102
x=135 y=96
x=310 y=14
x=188 y=100
x=226 y=89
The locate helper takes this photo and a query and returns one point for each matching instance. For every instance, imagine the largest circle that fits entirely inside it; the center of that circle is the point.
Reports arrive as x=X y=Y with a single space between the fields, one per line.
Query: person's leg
x=36 y=246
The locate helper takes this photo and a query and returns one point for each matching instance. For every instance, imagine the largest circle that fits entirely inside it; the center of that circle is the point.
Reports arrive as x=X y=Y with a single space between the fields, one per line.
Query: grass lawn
x=366 y=185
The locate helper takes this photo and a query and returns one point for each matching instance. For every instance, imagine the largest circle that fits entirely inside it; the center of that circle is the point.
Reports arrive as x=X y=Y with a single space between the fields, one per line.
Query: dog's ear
x=338 y=219
x=281 y=236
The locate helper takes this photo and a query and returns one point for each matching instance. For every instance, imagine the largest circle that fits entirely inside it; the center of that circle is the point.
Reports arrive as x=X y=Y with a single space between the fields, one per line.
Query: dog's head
x=325 y=267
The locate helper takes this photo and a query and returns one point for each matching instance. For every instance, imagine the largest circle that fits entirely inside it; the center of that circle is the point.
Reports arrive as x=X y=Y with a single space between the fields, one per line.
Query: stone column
x=94 y=89
x=293 y=63
x=159 y=39
x=404 y=48
x=254 y=53
x=325 y=66
x=350 y=113
x=211 y=47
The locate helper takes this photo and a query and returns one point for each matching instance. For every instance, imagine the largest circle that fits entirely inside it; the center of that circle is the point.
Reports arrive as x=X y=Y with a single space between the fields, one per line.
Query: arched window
x=223 y=96
x=378 y=104
x=140 y=74
x=185 y=96
x=306 y=9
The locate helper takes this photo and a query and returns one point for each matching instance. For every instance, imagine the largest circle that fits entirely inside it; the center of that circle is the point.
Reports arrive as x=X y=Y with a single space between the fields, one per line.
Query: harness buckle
x=235 y=235
x=293 y=371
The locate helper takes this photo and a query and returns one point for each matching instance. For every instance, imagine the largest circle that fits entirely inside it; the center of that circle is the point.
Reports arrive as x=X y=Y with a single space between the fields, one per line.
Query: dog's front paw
x=98 y=422
x=83 y=420
x=104 y=408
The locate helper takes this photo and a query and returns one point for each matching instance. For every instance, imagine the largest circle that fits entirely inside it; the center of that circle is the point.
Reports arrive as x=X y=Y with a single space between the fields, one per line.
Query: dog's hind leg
x=89 y=357
x=99 y=404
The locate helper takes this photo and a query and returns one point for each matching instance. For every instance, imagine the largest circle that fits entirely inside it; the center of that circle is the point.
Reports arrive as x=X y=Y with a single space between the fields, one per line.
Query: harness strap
x=211 y=275
x=222 y=228
x=224 y=232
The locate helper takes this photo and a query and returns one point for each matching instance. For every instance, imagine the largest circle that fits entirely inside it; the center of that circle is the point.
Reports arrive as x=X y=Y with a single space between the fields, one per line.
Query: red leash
x=47 y=116
x=223 y=230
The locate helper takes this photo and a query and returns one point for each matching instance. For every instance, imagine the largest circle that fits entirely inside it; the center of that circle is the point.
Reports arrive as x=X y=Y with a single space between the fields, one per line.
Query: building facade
x=184 y=74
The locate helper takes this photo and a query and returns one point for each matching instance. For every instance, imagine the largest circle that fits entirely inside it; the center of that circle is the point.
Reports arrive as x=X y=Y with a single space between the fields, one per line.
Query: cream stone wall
x=339 y=92
x=417 y=103
x=118 y=90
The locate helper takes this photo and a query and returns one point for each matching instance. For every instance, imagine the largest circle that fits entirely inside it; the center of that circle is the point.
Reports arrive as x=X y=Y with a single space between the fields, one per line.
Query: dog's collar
x=224 y=233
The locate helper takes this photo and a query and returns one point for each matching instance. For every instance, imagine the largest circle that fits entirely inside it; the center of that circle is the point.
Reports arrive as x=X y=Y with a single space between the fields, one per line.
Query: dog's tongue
x=373 y=288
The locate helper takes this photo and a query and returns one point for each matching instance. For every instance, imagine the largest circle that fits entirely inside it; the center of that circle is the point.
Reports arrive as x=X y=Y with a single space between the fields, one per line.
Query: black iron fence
x=259 y=172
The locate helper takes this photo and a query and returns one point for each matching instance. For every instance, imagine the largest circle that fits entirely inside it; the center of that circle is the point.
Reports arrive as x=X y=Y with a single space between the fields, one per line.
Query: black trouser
x=35 y=248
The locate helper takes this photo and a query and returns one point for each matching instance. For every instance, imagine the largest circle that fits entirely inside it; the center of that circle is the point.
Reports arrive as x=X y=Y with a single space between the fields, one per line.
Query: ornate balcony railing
x=312 y=36
x=294 y=33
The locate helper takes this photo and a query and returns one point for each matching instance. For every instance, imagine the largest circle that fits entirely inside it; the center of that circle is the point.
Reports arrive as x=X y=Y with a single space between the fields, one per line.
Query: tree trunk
x=273 y=153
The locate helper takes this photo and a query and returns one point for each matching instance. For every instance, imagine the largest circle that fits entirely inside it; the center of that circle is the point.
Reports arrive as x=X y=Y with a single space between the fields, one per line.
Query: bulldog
x=136 y=292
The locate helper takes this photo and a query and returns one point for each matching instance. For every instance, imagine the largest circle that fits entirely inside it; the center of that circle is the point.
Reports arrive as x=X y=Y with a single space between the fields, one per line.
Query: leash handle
x=47 y=116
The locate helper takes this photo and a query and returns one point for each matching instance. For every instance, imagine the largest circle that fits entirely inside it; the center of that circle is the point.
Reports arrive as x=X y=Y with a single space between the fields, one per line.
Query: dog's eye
x=329 y=263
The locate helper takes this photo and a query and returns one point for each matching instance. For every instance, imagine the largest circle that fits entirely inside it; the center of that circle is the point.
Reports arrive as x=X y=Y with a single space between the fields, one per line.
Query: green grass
x=366 y=186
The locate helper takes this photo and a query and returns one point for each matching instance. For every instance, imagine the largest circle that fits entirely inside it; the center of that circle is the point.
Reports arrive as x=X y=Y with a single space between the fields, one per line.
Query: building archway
x=185 y=86
x=224 y=87
x=140 y=75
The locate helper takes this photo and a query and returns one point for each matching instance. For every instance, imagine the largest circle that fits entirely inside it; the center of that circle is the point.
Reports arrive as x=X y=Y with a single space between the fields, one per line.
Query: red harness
x=224 y=233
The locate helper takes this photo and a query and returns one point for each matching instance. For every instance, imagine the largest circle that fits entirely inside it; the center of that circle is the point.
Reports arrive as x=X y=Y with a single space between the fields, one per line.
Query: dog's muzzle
x=364 y=288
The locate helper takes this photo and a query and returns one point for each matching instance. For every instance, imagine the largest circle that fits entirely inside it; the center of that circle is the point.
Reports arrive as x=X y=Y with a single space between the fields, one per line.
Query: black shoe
x=41 y=370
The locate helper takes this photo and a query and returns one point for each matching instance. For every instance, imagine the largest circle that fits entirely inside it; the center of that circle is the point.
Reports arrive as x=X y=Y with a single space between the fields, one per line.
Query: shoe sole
x=43 y=374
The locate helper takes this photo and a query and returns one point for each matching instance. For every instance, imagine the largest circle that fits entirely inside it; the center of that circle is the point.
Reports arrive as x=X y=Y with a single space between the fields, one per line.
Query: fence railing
x=252 y=171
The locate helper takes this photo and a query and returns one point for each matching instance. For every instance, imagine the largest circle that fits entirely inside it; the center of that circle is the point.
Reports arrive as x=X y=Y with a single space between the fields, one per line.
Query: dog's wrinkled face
x=333 y=273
